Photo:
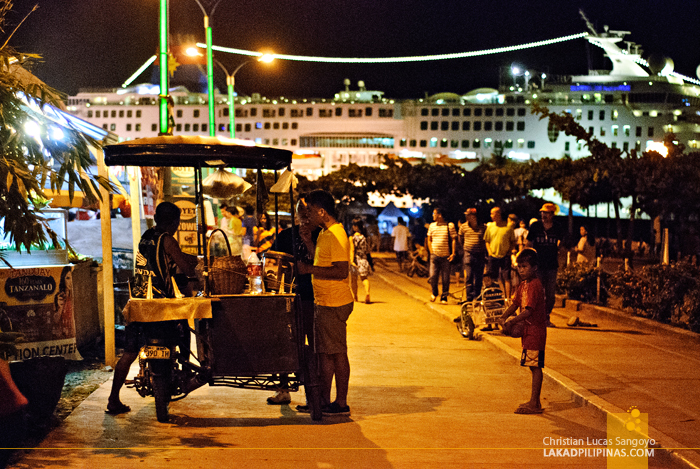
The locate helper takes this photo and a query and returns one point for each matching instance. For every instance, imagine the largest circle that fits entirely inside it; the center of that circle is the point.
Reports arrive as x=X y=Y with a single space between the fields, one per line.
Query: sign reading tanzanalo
x=37 y=302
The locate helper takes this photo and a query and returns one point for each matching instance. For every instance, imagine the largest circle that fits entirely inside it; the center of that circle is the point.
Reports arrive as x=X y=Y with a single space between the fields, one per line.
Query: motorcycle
x=165 y=371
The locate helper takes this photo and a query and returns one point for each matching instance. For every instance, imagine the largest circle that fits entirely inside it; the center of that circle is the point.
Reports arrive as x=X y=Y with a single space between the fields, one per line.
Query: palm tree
x=34 y=149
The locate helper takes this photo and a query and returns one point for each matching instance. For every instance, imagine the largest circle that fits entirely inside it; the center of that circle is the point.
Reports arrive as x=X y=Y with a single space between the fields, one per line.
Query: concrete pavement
x=623 y=362
x=420 y=394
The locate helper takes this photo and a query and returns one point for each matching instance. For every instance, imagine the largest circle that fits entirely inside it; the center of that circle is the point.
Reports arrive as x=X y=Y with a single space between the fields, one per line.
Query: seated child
x=529 y=298
x=419 y=253
x=492 y=296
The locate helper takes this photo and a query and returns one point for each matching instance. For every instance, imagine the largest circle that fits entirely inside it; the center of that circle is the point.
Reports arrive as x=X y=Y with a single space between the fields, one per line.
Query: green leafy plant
x=580 y=282
x=666 y=293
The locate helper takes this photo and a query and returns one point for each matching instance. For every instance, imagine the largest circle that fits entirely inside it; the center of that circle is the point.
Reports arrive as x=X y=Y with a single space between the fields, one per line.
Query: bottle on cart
x=255 y=279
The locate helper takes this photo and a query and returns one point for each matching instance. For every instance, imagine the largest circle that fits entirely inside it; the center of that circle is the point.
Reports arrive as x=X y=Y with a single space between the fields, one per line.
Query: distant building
x=631 y=107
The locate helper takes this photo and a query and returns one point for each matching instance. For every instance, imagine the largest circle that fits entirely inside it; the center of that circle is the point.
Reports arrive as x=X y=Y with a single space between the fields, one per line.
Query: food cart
x=243 y=340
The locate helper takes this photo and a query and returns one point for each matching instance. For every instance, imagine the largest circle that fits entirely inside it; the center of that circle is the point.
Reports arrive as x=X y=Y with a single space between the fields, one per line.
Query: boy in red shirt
x=532 y=320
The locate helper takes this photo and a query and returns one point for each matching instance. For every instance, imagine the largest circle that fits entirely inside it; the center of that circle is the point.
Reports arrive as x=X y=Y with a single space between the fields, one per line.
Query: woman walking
x=359 y=266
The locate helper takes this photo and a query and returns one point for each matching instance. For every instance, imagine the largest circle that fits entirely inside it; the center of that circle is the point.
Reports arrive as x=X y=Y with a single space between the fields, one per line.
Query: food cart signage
x=187 y=231
x=30 y=284
x=184 y=175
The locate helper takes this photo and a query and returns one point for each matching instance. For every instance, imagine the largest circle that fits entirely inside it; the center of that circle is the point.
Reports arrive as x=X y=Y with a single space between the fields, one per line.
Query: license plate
x=151 y=352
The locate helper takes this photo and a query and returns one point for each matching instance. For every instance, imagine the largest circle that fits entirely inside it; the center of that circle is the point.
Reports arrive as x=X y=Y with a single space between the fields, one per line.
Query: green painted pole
x=163 y=52
x=231 y=106
x=210 y=78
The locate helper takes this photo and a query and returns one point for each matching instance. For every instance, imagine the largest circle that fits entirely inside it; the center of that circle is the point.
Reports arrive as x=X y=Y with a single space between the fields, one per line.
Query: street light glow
x=658 y=147
x=32 y=128
x=267 y=58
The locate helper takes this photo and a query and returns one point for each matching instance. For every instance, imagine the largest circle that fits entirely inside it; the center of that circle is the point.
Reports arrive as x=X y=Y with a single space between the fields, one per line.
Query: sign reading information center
x=37 y=302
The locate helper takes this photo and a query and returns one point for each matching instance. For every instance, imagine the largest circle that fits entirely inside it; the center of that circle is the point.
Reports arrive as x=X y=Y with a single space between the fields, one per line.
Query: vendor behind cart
x=159 y=258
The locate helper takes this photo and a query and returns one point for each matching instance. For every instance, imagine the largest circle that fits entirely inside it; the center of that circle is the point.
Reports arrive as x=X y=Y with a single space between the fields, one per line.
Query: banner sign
x=187 y=231
x=38 y=303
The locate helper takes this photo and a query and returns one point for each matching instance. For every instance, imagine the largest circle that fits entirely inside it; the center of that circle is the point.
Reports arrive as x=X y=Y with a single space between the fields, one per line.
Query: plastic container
x=255 y=278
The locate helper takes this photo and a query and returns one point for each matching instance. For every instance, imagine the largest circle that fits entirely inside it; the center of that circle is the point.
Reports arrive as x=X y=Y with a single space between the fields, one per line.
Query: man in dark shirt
x=286 y=242
x=544 y=236
x=159 y=257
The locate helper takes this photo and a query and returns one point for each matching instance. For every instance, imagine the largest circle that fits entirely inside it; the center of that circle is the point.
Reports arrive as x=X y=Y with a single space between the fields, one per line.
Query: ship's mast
x=624 y=61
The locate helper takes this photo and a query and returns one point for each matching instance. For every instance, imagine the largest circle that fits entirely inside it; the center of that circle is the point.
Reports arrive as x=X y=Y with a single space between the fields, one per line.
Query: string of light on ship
x=420 y=58
x=426 y=58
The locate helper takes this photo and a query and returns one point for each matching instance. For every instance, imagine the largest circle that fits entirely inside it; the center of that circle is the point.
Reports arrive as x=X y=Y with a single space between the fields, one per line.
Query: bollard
x=627 y=264
x=568 y=258
x=597 y=287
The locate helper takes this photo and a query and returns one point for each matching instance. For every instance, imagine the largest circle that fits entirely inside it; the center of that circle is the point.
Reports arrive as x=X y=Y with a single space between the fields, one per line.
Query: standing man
x=544 y=236
x=500 y=243
x=290 y=241
x=159 y=258
x=471 y=235
x=442 y=245
x=400 y=235
x=333 y=299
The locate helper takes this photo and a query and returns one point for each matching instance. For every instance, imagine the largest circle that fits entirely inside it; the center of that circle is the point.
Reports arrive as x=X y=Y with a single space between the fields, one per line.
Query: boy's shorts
x=532 y=358
x=330 y=328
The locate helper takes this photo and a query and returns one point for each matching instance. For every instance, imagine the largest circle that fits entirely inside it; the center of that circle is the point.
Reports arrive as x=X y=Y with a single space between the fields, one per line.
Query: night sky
x=100 y=43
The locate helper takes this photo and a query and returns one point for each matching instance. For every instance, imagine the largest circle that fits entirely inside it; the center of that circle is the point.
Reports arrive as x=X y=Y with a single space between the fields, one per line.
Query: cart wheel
x=468 y=327
x=162 y=395
x=411 y=270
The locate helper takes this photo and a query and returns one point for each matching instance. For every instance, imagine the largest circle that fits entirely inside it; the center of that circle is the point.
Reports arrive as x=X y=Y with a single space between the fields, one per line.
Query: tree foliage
x=31 y=150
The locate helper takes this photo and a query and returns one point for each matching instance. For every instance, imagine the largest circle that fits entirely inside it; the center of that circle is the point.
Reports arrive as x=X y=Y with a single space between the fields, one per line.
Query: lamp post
x=211 y=4
x=230 y=82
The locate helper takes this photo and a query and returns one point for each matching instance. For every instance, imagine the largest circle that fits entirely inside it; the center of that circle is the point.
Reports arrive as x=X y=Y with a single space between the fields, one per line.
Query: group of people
x=323 y=264
x=491 y=252
x=515 y=255
x=245 y=233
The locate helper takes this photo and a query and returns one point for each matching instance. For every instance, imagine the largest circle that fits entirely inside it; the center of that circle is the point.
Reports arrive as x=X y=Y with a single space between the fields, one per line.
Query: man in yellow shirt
x=333 y=300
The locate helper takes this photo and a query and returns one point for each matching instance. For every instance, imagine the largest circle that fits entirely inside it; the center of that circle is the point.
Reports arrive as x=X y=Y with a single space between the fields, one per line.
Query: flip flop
x=524 y=410
x=118 y=409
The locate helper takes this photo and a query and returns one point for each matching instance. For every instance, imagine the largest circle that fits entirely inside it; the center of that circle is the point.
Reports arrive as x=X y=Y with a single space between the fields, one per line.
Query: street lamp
x=212 y=4
x=230 y=82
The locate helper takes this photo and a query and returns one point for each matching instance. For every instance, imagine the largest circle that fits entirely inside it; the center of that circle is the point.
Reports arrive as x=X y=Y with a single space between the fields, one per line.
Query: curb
x=580 y=394
x=575 y=305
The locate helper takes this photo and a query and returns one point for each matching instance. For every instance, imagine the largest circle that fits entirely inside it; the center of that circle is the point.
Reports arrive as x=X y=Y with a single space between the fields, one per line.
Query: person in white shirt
x=442 y=245
x=400 y=235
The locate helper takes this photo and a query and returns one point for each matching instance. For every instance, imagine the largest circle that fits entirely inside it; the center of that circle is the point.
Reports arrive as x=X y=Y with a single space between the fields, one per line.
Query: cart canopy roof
x=196 y=151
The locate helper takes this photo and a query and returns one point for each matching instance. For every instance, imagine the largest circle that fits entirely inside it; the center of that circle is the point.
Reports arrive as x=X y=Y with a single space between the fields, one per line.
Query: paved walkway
x=421 y=396
x=624 y=362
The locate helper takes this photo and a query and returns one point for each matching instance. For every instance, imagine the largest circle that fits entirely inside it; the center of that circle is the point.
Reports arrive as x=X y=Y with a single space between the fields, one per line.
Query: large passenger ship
x=631 y=106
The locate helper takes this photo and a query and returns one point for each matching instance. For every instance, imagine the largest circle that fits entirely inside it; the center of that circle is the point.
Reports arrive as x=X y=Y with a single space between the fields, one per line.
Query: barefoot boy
x=529 y=297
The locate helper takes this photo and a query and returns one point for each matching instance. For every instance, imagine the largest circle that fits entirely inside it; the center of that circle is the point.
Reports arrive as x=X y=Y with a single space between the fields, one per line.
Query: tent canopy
x=392 y=213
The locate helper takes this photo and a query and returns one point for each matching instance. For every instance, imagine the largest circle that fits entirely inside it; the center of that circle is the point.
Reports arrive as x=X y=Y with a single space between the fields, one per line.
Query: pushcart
x=487 y=309
x=243 y=340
